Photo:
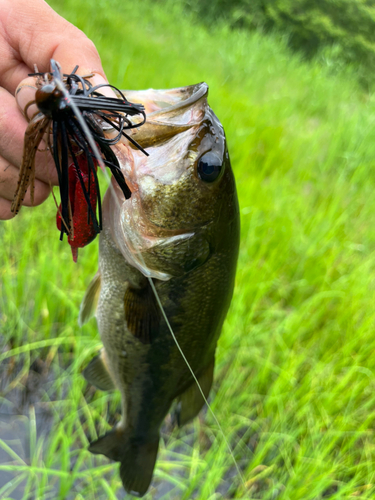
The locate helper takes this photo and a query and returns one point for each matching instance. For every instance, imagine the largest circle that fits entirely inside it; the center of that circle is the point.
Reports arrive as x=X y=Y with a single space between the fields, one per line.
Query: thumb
x=34 y=34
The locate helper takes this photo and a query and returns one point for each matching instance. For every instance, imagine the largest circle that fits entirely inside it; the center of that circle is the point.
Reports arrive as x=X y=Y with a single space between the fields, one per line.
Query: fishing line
x=95 y=150
x=196 y=380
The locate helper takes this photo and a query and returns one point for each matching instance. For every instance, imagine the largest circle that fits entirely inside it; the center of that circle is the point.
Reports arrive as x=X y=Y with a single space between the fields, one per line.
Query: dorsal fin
x=90 y=300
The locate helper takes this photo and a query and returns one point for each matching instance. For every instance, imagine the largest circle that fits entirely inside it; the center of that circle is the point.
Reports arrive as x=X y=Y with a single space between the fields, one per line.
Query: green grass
x=295 y=387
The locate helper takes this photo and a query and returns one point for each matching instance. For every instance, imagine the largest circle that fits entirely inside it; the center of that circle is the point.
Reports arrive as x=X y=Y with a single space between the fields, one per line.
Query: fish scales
x=181 y=229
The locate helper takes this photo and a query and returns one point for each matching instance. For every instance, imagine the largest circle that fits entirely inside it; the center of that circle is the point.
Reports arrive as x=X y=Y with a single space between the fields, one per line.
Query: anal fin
x=191 y=401
x=96 y=373
x=90 y=300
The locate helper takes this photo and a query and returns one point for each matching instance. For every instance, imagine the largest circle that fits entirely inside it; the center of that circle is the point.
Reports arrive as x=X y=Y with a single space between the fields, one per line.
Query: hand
x=32 y=33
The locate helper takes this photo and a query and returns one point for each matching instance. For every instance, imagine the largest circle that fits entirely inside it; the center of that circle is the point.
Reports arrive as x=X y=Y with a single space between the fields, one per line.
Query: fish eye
x=209 y=167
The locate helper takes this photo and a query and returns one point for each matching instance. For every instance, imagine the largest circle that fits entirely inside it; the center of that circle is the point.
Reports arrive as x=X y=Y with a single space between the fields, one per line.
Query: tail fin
x=137 y=457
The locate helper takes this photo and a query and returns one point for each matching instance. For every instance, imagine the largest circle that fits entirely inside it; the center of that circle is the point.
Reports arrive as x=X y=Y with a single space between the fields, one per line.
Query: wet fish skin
x=187 y=232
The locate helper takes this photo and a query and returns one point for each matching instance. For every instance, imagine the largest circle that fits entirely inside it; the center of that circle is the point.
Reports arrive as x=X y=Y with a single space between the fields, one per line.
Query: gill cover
x=159 y=229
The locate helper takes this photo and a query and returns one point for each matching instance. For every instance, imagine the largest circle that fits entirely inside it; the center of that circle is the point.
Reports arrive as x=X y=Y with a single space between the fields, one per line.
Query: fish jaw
x=170 y=208
x=169 y=105
x=129 y=232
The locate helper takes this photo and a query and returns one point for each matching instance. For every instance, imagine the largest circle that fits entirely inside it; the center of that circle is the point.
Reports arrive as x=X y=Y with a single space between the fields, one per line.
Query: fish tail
x=136 y=454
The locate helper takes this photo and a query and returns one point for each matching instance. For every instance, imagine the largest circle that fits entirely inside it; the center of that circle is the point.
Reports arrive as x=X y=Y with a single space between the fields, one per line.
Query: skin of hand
x=32 y=33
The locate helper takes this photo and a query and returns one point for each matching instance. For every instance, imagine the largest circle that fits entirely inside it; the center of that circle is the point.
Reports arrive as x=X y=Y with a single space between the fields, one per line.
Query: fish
x=178 y=233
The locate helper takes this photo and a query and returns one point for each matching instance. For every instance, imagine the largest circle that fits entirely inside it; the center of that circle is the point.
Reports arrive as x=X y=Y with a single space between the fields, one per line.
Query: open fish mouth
x=168 y=112
x=143 y=224
x=170 y=101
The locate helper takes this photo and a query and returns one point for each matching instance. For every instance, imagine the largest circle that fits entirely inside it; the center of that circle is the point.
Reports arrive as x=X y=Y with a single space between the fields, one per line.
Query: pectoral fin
x=96 y=373
x=191 y=401
x=141 y=313
x=90 y=300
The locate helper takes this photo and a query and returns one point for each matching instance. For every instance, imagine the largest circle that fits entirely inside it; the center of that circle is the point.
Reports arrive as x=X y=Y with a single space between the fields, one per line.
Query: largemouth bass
x=180 y=227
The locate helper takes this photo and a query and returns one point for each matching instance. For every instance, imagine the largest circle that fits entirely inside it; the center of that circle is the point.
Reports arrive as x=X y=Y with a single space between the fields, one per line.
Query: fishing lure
x=59 y=99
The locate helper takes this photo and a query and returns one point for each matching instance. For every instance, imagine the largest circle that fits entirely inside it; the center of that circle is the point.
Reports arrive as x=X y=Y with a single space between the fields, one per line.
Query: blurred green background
x=291 y=82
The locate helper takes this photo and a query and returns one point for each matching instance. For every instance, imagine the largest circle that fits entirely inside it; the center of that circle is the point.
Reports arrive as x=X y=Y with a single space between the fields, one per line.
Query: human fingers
x=32 y=33
x=5 y=211
x=12 y=131
x=8 y=184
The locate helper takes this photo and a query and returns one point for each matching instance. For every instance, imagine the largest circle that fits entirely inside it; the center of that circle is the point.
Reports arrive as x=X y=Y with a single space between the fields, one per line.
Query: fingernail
x=105 y=90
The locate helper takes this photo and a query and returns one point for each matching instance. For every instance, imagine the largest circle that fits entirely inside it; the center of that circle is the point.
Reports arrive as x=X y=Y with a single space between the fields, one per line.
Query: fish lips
x=169 y=112
x=143 y=227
